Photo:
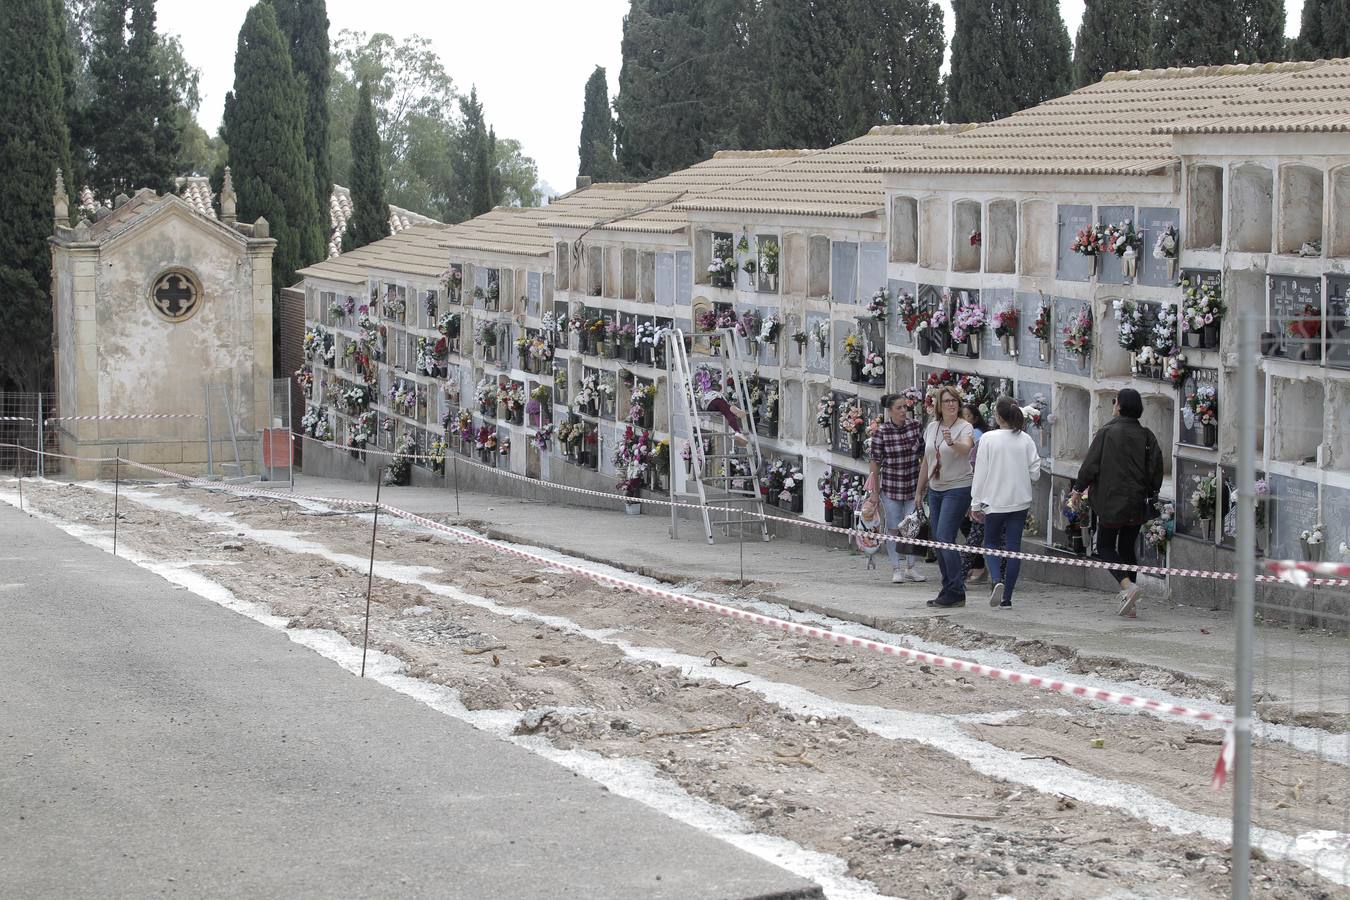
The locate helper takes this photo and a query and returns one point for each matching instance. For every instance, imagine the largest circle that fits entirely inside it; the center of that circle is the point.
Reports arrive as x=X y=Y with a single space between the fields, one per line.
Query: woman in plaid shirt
x=897 y=449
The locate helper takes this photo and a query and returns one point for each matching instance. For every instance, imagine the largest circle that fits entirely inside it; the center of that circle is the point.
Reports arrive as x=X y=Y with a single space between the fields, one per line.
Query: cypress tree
x=1112 y=36
x=65 y=61
x=1007 y=55
x=1324 y=32
x=265 y=132
x=475 y=156
x=1195 y=33
x=910 y=45
x=804 y=42
x=595 y=150
x=33 y=145
x=305 y=24
x=494 y=174
x=132 y=130
x=370 y=214
x=1262 y=24
x=659 y=88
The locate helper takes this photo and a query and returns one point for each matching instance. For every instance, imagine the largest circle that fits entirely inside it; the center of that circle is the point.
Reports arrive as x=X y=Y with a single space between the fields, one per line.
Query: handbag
x=914 y=527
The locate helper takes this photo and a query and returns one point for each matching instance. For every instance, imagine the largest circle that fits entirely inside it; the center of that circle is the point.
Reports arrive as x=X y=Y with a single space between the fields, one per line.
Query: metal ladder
x=713 y=471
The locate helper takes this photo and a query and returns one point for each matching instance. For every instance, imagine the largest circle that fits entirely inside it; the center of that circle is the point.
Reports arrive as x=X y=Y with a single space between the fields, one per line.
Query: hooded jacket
x=1124 y=468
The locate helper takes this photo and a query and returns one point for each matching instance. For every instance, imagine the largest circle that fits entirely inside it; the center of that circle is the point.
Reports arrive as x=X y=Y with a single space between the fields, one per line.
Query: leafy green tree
x=595 y=150
x=1112 y=36
x=131 y=130
x=370 y=214
x=1007 y=55
x=34 y=145
x=305 y=24
x=420 y=117
x=264 y=127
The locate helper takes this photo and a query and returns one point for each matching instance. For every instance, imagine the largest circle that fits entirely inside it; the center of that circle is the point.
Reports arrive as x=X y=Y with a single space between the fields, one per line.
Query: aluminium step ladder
x=721 y=467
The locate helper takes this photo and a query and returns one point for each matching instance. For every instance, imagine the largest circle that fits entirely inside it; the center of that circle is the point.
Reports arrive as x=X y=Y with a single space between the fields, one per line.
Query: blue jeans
x=895 y=511
x=1003 y=531
x=946 y=510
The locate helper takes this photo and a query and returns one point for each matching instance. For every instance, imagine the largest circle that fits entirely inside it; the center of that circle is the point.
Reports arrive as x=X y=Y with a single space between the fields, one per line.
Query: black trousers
x=1116 y=545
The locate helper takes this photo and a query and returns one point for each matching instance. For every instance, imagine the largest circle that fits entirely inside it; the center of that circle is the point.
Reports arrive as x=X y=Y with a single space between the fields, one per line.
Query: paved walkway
x=1311 y=669
x=155 y=743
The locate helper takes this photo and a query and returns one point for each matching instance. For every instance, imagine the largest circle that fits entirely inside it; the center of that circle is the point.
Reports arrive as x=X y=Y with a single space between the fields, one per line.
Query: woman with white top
x=946 y=475
x=1001 y=494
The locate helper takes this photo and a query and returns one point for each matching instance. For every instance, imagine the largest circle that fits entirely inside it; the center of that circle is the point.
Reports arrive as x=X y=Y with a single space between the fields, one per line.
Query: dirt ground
x=925 y=782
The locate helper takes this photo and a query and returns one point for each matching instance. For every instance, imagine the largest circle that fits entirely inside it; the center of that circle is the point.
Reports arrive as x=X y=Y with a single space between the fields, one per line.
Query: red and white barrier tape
x=1054 y=685
x=849 y=532
x=136 y=417
x=16 y=419
x=1298 y=572
x=1298 y=579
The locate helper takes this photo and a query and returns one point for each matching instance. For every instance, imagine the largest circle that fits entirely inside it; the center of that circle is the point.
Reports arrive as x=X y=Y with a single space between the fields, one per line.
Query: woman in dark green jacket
x=1124 y=470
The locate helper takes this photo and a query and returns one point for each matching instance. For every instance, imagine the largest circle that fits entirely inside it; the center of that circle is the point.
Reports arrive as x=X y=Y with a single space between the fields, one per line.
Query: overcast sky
x=529 y=58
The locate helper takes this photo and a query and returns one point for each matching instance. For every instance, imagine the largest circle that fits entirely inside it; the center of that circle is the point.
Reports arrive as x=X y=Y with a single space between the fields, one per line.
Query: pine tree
x=1007 y=55
x=265 y=132
x=131 y=129
x=305 y=24
x=370 y=214
x=1112 y=36
x=1195 y=33
x=65 y=61
x=596 y=148
x=1324 y=32
x=34 y=144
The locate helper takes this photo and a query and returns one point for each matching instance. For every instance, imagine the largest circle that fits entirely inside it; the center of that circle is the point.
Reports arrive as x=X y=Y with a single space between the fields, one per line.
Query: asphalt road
x=153 y=742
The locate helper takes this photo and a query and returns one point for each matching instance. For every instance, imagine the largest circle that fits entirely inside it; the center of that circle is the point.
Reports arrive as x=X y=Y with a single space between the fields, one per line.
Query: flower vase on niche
x=796 y=505
x=1311 y=552
x=840 y=517
x=1210 y=435
x=1045 y=351
x=855 y=446
x=855 y=372
x=1009 y=344
x=1092 y=265
x=1204 y=524
x=829 y=511
x=923 y=342
x=1129 y=262
x=770 y=497
x=1194 y=339
x=1209 y=337
x=972 y=346
x=1075 y=534
x=632 y=508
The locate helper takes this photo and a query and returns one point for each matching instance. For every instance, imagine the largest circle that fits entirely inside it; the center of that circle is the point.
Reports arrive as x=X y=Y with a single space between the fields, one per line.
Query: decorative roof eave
x=751 y=207
x=487 y=246
x=1260 y=128
x=163 y=206
x=1152 y=167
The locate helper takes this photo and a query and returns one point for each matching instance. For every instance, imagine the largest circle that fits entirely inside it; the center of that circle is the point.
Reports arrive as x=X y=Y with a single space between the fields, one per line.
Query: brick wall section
x=291 y=354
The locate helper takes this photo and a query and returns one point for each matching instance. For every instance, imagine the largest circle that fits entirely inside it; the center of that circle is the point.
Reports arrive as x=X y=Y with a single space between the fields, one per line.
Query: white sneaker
x=996 y=594
x=1129 y=601
x=897 y=576
x=913 y=574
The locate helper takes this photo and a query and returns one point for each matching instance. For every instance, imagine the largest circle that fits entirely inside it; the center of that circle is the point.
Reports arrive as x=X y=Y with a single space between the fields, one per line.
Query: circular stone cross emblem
x=176 y=295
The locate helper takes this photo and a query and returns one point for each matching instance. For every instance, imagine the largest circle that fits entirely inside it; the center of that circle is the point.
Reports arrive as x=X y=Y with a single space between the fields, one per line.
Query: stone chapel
x=162 y=309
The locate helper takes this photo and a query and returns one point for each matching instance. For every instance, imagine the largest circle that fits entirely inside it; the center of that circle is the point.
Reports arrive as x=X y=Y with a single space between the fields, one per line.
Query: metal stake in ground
x=370 y=574
x=117 y=490
x=454 y=467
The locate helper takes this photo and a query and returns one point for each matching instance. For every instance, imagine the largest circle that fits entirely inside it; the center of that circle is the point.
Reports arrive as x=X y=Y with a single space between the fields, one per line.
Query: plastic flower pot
x=1311 y=552
x=855 y=372
x=1045 y=351
x=840 y=517
x=796 y=504
x=1211 y=435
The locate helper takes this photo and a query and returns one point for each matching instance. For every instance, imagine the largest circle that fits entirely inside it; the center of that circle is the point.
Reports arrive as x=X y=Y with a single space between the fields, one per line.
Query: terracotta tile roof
x=113 y=222
x=649 y=206
x=196 y=190
x=1312 y=99
x=506 y=229
x=340 y=210
x=1119 y=126
x=830 y=182
x=416 y=250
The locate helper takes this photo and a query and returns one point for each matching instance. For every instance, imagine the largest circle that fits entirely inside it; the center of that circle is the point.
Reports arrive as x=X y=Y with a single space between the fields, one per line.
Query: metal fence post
x=41 y=443
x=1244 y=607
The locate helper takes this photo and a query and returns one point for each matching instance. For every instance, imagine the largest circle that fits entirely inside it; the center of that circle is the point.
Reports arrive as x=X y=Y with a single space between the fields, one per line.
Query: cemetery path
x=924 y=783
